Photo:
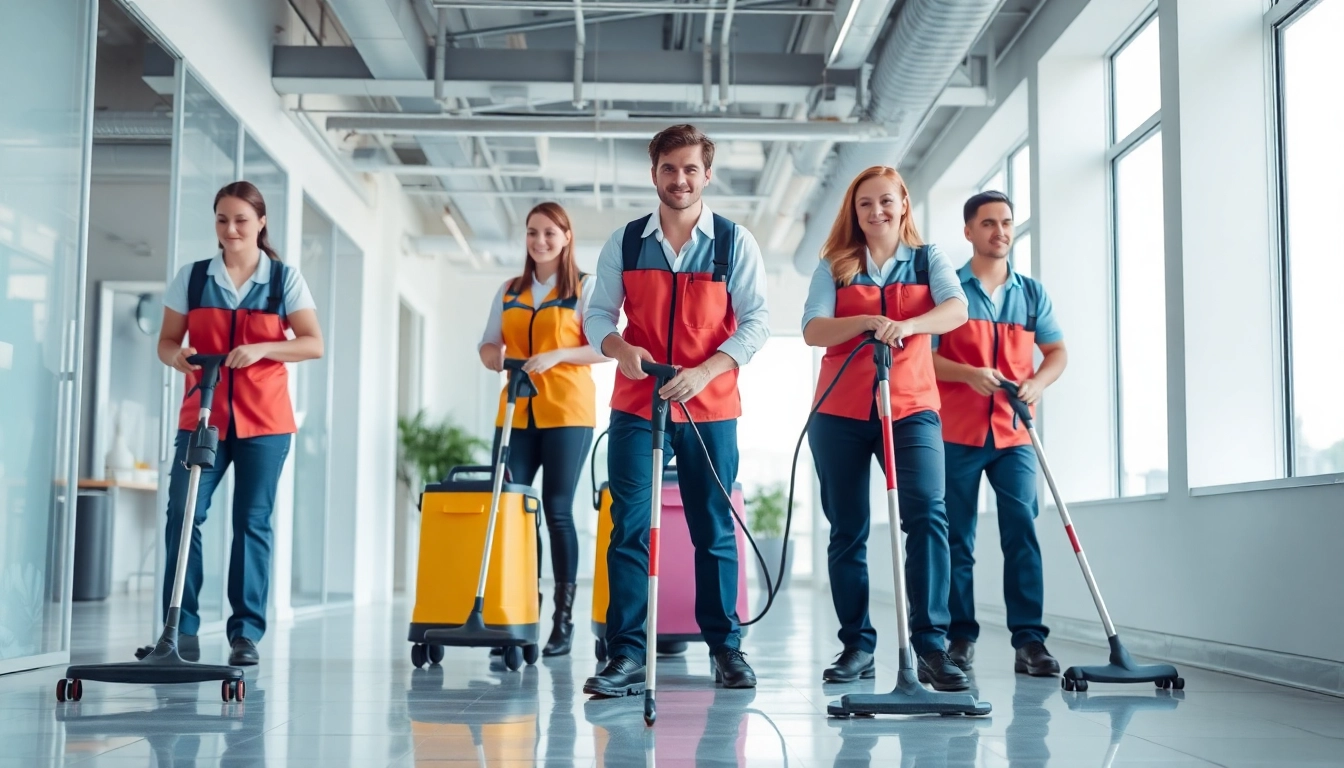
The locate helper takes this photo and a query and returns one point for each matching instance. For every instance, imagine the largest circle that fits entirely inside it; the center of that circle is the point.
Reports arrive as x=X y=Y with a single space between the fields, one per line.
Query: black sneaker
x=1035 y=660
x=936 y=668
x=731 y=668
x=962 y=652
x=244 y=653
x=621 y=677
x=852 y=664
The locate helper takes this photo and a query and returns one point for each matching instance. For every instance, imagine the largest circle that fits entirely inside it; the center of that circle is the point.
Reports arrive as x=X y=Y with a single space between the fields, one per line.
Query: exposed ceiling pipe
x=579 y=42
x=928 y=41
x=440 y=49
x=723 y=55
x=590 y=128
x=636 y=6
x=707 y=43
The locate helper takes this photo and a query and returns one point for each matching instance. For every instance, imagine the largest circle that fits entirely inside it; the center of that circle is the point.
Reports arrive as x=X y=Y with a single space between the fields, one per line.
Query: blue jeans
x=257 y=462
x=1012 y=475
x=708 y=516
x=843 y=451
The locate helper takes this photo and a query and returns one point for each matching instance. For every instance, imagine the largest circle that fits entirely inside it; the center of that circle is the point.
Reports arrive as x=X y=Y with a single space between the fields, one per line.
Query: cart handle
x=1020 y=409
x=471 y=469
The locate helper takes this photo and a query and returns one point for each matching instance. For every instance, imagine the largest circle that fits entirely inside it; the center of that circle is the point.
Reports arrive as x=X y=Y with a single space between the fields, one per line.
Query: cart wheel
x=513 y=657
x=240 y=690
x=530 y=653
x=418 y=654
x=1066 y=683
x=76 y=690
x=226 y=690
x=1177 y=682
x=1081 y=686
x=60 y=689
x=435 y=654
x=600 y=649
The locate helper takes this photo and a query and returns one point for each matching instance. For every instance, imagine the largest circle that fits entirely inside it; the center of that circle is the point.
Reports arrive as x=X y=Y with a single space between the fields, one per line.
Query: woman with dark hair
x=877 y=276
x=240 y=304
x=538 y=316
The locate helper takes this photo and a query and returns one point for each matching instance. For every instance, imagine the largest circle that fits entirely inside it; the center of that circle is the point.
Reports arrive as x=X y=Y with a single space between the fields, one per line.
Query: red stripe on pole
x=889 y=458
x=1073 y=539
x=653 y=552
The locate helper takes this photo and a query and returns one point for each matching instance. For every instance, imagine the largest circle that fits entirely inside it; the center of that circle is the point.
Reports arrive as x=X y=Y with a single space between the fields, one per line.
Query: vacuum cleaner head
x=475 y=634
x=908 y=698
x=1122 y=669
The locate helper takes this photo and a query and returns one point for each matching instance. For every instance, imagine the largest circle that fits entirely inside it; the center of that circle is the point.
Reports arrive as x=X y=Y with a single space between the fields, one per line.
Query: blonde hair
x=844 y=248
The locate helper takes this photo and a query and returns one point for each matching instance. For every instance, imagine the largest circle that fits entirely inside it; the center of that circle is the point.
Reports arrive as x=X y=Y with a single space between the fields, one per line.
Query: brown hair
x=248 y=193
x=567 y=273
x=846 y=243
x=679 y=136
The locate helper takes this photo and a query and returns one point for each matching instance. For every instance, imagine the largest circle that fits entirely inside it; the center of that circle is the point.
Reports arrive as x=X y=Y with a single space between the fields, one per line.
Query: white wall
x=1227 y=577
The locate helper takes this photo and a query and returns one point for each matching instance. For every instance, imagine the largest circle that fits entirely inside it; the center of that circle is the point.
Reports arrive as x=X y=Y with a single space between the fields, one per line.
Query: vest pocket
x=704 y=303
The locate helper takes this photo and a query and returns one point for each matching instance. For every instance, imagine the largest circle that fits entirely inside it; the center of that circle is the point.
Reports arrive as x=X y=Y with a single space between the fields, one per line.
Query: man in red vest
x=692 y=285
x=1010 y=316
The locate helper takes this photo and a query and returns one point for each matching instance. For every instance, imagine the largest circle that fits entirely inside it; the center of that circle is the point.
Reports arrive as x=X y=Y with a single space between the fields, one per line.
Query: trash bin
x=93 y=546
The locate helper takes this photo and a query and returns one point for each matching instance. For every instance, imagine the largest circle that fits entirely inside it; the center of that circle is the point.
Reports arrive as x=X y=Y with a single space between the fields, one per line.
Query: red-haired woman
x=538 y=316
x=876 y=275
x=240 y=304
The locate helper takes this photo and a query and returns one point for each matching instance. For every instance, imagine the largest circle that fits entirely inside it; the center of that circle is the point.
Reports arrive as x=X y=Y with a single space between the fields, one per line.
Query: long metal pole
x=500 y=465
x=894 y=519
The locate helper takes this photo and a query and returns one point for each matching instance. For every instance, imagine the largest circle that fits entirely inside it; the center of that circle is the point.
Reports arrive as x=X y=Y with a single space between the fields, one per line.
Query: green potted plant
x=430 y=449
x=766 y=509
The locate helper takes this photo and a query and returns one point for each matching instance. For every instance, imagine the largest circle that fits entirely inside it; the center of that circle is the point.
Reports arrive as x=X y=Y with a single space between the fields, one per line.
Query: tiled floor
x=340 y=690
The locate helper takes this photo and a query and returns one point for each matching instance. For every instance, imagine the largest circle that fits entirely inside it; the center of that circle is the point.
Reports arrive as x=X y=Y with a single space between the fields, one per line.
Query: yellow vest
x=566 y=395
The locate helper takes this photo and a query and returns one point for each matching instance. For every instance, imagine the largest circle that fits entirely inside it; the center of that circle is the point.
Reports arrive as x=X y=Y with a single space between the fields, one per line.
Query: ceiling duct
x=929 y=40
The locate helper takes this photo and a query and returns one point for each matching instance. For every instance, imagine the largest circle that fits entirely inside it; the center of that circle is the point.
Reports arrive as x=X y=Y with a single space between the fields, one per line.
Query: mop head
x=474 y=634
x=1122 y=669
x=908 y=698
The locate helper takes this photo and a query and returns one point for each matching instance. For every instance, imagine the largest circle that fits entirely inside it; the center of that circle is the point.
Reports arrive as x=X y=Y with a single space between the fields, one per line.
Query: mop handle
x=1023 y=411
x=210 y=365
x=882 y=362
x=658 y=427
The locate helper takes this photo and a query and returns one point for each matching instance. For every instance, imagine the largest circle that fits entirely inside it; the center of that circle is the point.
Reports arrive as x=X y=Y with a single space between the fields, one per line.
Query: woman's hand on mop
x=685 y=385
x=492 y=357
x=984 y=380
x=246 y=355
x=180 y=362
x=888 y=331
x=544 y=361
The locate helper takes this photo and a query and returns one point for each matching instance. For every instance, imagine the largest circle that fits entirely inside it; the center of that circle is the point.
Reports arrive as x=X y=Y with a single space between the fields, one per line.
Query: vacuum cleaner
x=164 y=665
x=474 y=633
x=1122 y=668
x=909 y=697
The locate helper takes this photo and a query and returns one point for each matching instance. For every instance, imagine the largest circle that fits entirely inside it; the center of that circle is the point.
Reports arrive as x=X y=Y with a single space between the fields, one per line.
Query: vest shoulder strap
x=633 y=242
x=1033 y=298
x=725 y=240
x=196 y=284
x=922 y=264
x=275 y=301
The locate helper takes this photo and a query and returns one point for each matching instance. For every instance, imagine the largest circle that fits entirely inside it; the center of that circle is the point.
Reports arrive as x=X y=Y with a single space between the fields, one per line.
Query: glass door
x=44 y=176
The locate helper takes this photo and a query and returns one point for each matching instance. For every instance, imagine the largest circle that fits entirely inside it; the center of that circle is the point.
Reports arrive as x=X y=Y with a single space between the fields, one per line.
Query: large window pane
x=42 y=145
x=1019 y=168
x=1142 y=342
x=1136 y=70
x=1314 y=165
x=312 y=412
x=996 y=183
x=1021 y=255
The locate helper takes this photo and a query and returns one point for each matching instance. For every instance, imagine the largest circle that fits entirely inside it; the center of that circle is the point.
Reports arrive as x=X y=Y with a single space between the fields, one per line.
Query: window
x=1137 y=227
x=1311 y=161
x=1012 y=176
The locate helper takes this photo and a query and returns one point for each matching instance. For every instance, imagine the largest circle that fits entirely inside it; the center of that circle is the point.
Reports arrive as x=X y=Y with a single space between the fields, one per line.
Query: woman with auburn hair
x=877 y=276
x=538 y=316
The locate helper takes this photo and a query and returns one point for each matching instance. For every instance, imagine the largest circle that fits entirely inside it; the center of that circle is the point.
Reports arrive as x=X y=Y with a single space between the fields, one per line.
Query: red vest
x=255 y=398
x=681 y=318
x=968 y=416
x=913 y=385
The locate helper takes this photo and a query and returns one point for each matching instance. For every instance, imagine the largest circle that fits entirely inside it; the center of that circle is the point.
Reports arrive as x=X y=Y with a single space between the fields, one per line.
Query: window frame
x=1278 y=18
x=1004 y=165
x=1117 y=149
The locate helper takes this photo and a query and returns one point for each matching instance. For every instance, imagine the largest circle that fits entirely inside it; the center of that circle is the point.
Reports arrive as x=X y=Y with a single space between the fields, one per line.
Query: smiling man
x=692 y=285
x=1010 y=315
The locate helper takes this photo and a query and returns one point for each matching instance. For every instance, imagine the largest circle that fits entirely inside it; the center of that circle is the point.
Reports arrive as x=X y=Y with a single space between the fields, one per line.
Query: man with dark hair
x=1009 y=315
x=692 y=285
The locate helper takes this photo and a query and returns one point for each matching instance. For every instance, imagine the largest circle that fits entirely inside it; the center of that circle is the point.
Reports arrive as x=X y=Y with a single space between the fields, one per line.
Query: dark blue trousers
x=257 y=462
x=708 y=516
x=843 y=451
x=1012 y=475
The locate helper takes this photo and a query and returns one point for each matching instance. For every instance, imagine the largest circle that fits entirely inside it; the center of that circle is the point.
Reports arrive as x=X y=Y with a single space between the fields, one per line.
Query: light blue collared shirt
x=746 y=284
x=297 y=295
x=943 y=281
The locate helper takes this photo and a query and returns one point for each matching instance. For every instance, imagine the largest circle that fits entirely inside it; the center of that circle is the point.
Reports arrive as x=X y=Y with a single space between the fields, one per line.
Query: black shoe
x=731 y=669
x=244 y=653
x=1035 y=660
x=562 y=629
x=936 y=668
x=188 y=647
x=851 y=665
x=962 y=652
x=621 y=677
